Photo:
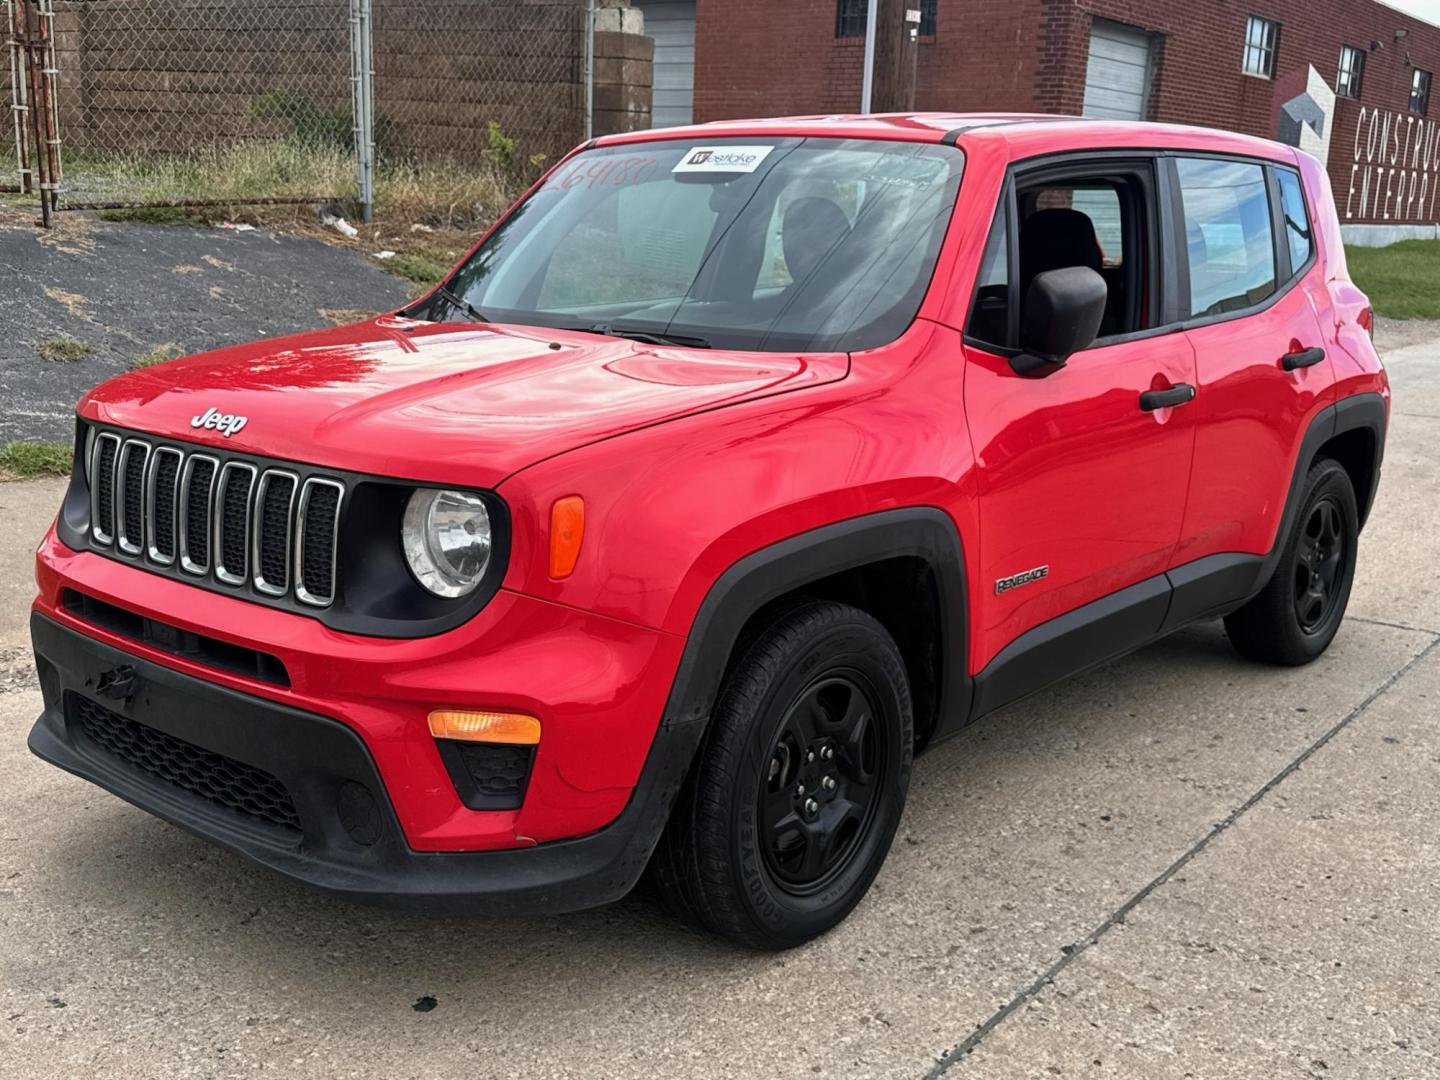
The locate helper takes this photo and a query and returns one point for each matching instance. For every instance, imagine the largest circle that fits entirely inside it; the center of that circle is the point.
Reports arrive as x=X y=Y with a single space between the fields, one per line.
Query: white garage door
x=1117 y=81
x=672 y=24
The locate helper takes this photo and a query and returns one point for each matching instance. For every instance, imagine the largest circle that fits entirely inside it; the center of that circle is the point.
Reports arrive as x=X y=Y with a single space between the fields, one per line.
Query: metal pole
x=362 y=88
x=367 y=93
x=589 y=69
x=867 y=86
x=52 y=100
x=39 y=111
x=18 y=100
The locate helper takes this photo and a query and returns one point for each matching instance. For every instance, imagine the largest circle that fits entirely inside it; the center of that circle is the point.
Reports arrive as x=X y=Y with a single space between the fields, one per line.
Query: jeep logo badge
x=225 y=423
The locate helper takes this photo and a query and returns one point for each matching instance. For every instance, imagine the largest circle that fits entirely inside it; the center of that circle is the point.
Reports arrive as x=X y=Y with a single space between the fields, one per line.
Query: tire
x=1295 y=617
x=746 y=854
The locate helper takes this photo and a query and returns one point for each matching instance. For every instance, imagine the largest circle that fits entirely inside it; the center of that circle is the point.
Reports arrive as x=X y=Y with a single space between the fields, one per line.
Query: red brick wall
x=760 y=58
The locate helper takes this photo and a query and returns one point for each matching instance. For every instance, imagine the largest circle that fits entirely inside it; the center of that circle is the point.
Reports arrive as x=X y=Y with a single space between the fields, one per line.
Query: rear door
x=1081 y=486
x=1246 y=264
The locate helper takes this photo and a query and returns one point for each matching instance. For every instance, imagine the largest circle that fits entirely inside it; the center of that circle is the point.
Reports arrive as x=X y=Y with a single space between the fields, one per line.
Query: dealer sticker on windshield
x=722 y=159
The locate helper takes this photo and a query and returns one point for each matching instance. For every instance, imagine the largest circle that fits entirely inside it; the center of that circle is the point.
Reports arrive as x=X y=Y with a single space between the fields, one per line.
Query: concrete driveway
x=1181 y=865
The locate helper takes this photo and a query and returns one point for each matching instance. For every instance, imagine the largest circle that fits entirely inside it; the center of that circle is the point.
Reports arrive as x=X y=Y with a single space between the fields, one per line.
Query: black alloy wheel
x=821 y=782
x=800 y=783
x=1320 y=556
x=1296 y=615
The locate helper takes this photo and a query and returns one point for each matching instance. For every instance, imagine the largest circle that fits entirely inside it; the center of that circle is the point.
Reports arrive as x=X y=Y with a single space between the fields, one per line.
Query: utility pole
x=892 y=34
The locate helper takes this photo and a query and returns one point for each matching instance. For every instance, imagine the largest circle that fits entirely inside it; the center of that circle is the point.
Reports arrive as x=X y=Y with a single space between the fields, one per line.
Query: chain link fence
x=184 y=101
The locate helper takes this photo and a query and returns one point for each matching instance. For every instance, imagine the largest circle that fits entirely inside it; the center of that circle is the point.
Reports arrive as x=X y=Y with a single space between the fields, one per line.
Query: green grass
x=158 y=355
x=416 y=269
x=442 y=194
x=1402 y=280
x=23 y=460
x=147 y=215
x=62 y=349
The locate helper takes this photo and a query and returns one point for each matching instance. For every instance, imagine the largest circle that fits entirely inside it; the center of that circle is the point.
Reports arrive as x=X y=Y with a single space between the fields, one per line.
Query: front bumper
x=598 y=685
x=349 y=840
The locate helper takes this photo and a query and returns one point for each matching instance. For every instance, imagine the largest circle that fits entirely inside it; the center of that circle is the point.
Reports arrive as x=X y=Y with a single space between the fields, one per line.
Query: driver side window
x=1100 y=218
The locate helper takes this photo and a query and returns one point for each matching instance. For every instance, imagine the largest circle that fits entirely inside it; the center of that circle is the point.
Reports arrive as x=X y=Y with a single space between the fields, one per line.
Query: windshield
x=770 y=244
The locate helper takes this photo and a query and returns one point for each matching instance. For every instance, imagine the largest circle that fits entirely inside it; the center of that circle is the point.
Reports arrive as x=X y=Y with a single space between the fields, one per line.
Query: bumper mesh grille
x=219 y=779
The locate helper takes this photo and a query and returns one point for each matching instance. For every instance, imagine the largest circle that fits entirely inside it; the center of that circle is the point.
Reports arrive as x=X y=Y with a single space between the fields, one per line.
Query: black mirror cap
x=1061 y=316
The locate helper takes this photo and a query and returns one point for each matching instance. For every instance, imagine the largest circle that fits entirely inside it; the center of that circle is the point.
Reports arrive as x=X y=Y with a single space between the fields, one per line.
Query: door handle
x=1179 y=394
x=1303 y=358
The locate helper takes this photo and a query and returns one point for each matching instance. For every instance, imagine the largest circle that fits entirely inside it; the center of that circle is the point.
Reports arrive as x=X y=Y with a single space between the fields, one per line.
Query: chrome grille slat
x=272 y=530
x=274 y=505
x=102 y=488
x=315 y=544
x=162 y=504
x=230 y=533
x=129 y=496
x=197 y=485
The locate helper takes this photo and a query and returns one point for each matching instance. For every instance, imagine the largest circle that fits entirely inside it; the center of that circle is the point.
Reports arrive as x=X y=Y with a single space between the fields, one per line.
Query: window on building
x=1420 y=91
x=1298 y=235
x=1352 y=70
x=1229 y=242
x=1261 y=36
x=852 y=15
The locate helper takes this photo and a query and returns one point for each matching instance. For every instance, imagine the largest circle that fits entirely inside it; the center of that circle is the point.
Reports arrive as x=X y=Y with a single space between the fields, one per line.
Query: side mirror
x=1061 y=316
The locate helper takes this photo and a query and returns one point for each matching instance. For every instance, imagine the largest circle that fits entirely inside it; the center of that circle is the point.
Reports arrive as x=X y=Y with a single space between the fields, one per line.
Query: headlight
x=446 y=536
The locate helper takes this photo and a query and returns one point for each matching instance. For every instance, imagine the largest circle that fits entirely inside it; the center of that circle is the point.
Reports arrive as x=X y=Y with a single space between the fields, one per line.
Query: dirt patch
x=345 y=316
x=217 y=263
x=74 y=302
x=1392 y=334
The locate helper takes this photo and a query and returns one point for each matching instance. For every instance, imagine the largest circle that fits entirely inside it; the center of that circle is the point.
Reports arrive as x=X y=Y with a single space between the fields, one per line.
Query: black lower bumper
x=184 y=749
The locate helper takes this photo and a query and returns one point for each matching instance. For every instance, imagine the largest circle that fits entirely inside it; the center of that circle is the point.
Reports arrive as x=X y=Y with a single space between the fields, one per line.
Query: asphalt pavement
x=122 y=290
x=1178 y=865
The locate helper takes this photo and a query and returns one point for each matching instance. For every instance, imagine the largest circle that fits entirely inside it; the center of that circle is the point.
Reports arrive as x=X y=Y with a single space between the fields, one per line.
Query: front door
x=1082 y=474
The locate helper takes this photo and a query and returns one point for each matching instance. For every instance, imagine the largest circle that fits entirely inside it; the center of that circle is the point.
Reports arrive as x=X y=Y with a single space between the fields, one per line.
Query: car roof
x=1023 y=134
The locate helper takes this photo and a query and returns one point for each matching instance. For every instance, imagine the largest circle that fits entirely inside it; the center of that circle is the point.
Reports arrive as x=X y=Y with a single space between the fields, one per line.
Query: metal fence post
x=589 y=69
x=19 y=104
x=362 y=78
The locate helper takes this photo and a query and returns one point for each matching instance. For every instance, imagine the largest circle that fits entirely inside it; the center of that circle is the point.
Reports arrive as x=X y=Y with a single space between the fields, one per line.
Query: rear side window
x=1228 y=238
x=1298 y=235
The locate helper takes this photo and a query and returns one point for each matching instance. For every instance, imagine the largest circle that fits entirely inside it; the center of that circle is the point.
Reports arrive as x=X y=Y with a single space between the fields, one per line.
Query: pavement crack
x=1393 y=625
x=961 y=1050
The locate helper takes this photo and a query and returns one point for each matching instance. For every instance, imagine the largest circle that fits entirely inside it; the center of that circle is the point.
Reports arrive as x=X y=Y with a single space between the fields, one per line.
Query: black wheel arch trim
x=922 y=532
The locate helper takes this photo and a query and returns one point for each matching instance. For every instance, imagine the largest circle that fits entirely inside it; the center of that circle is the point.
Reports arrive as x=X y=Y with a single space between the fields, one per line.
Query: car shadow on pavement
x=1021 y=834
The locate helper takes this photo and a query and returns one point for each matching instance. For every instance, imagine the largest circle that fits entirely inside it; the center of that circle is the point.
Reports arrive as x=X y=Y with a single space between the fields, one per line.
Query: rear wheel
x=800 y=784
x=1295 y=617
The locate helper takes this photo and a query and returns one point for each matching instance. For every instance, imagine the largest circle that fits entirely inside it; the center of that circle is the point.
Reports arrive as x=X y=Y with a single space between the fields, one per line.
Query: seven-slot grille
x=263 y=527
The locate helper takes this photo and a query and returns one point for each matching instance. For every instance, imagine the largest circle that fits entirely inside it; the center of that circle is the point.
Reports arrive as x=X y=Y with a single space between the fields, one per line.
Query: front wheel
x=800 y=784
x=1295 y=617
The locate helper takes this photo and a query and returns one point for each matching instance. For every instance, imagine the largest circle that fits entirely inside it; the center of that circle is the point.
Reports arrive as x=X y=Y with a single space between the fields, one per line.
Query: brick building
x=1348 y=80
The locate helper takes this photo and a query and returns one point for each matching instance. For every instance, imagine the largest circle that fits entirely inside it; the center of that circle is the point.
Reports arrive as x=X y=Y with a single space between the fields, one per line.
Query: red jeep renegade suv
x=735 y=464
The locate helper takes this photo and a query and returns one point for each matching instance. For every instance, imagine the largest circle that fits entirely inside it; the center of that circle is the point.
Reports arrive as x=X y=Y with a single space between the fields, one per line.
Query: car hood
x=466 y=404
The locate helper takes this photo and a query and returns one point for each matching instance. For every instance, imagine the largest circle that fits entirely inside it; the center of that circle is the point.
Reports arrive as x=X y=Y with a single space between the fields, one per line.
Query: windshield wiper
x=459 y=303
x=649 y=337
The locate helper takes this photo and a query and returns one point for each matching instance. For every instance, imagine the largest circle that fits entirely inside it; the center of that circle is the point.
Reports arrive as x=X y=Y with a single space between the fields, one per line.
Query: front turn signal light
x=512 y=729
x=567 y=530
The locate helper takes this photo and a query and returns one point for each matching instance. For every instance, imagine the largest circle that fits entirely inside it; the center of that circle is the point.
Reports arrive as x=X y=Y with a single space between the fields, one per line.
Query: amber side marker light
x=567 y=530
x=512 y=729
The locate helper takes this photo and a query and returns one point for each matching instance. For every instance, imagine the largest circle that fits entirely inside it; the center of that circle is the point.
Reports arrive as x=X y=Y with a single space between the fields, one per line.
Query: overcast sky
x=1424 y=9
